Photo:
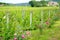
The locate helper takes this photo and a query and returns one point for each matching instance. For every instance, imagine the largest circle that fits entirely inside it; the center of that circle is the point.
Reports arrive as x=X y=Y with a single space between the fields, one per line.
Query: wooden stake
x=23 y=14
x=31 y=12
x=7 y=15
x=49 y=14
x=42 y=18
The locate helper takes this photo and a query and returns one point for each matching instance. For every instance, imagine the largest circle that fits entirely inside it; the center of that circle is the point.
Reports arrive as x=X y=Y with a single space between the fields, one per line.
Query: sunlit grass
x=16 y=20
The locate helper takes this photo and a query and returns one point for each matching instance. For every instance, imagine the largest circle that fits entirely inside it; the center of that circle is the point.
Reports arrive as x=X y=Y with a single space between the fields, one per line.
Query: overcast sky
x=15 y=1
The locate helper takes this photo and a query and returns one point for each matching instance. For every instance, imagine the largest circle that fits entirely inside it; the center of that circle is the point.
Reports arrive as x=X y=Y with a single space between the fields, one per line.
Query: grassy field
x=18 y=21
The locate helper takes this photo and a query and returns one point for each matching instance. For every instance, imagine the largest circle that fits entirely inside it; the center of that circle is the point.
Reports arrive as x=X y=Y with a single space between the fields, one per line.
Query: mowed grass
x=16 y=20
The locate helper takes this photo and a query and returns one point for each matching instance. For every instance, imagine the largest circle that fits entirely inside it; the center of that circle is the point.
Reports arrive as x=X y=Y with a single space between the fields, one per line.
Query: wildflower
x=4 y=17
x=15 y=34
x=28 y=33
x=47 y=23
x=15 y=38
x=49 y=19
x=23 y=36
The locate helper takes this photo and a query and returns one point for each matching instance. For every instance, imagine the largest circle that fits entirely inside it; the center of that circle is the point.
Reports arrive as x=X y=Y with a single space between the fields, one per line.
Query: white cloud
x=38 y=0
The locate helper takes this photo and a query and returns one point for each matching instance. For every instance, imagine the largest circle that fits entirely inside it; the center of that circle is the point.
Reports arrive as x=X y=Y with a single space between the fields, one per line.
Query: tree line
x=38 y=3
x=41 y=3
x=1 y=3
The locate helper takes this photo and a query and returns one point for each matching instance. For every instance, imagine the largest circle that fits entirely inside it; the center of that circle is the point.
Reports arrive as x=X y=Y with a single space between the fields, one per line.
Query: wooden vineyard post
x=7 y=25
x=31 y=12
x=23 y=14
x=49 y=19
x=7 y=20
x=42 y=18
x=54 y=14
x=41 y=28
x=49 y=14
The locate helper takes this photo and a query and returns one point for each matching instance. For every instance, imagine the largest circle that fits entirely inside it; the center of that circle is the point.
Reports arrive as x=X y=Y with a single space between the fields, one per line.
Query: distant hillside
x=5 y=4
x=22 y=4
x=19 y=4
x=1 y=3
x=56 y=0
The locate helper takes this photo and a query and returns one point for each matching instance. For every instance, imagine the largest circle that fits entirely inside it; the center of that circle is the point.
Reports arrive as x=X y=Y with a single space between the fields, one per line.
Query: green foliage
x=1 y=3
x=17 y=24
x=38 y=3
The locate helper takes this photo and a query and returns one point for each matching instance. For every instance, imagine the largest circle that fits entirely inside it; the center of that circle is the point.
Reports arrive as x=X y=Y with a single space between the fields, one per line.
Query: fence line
x=31 y=17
